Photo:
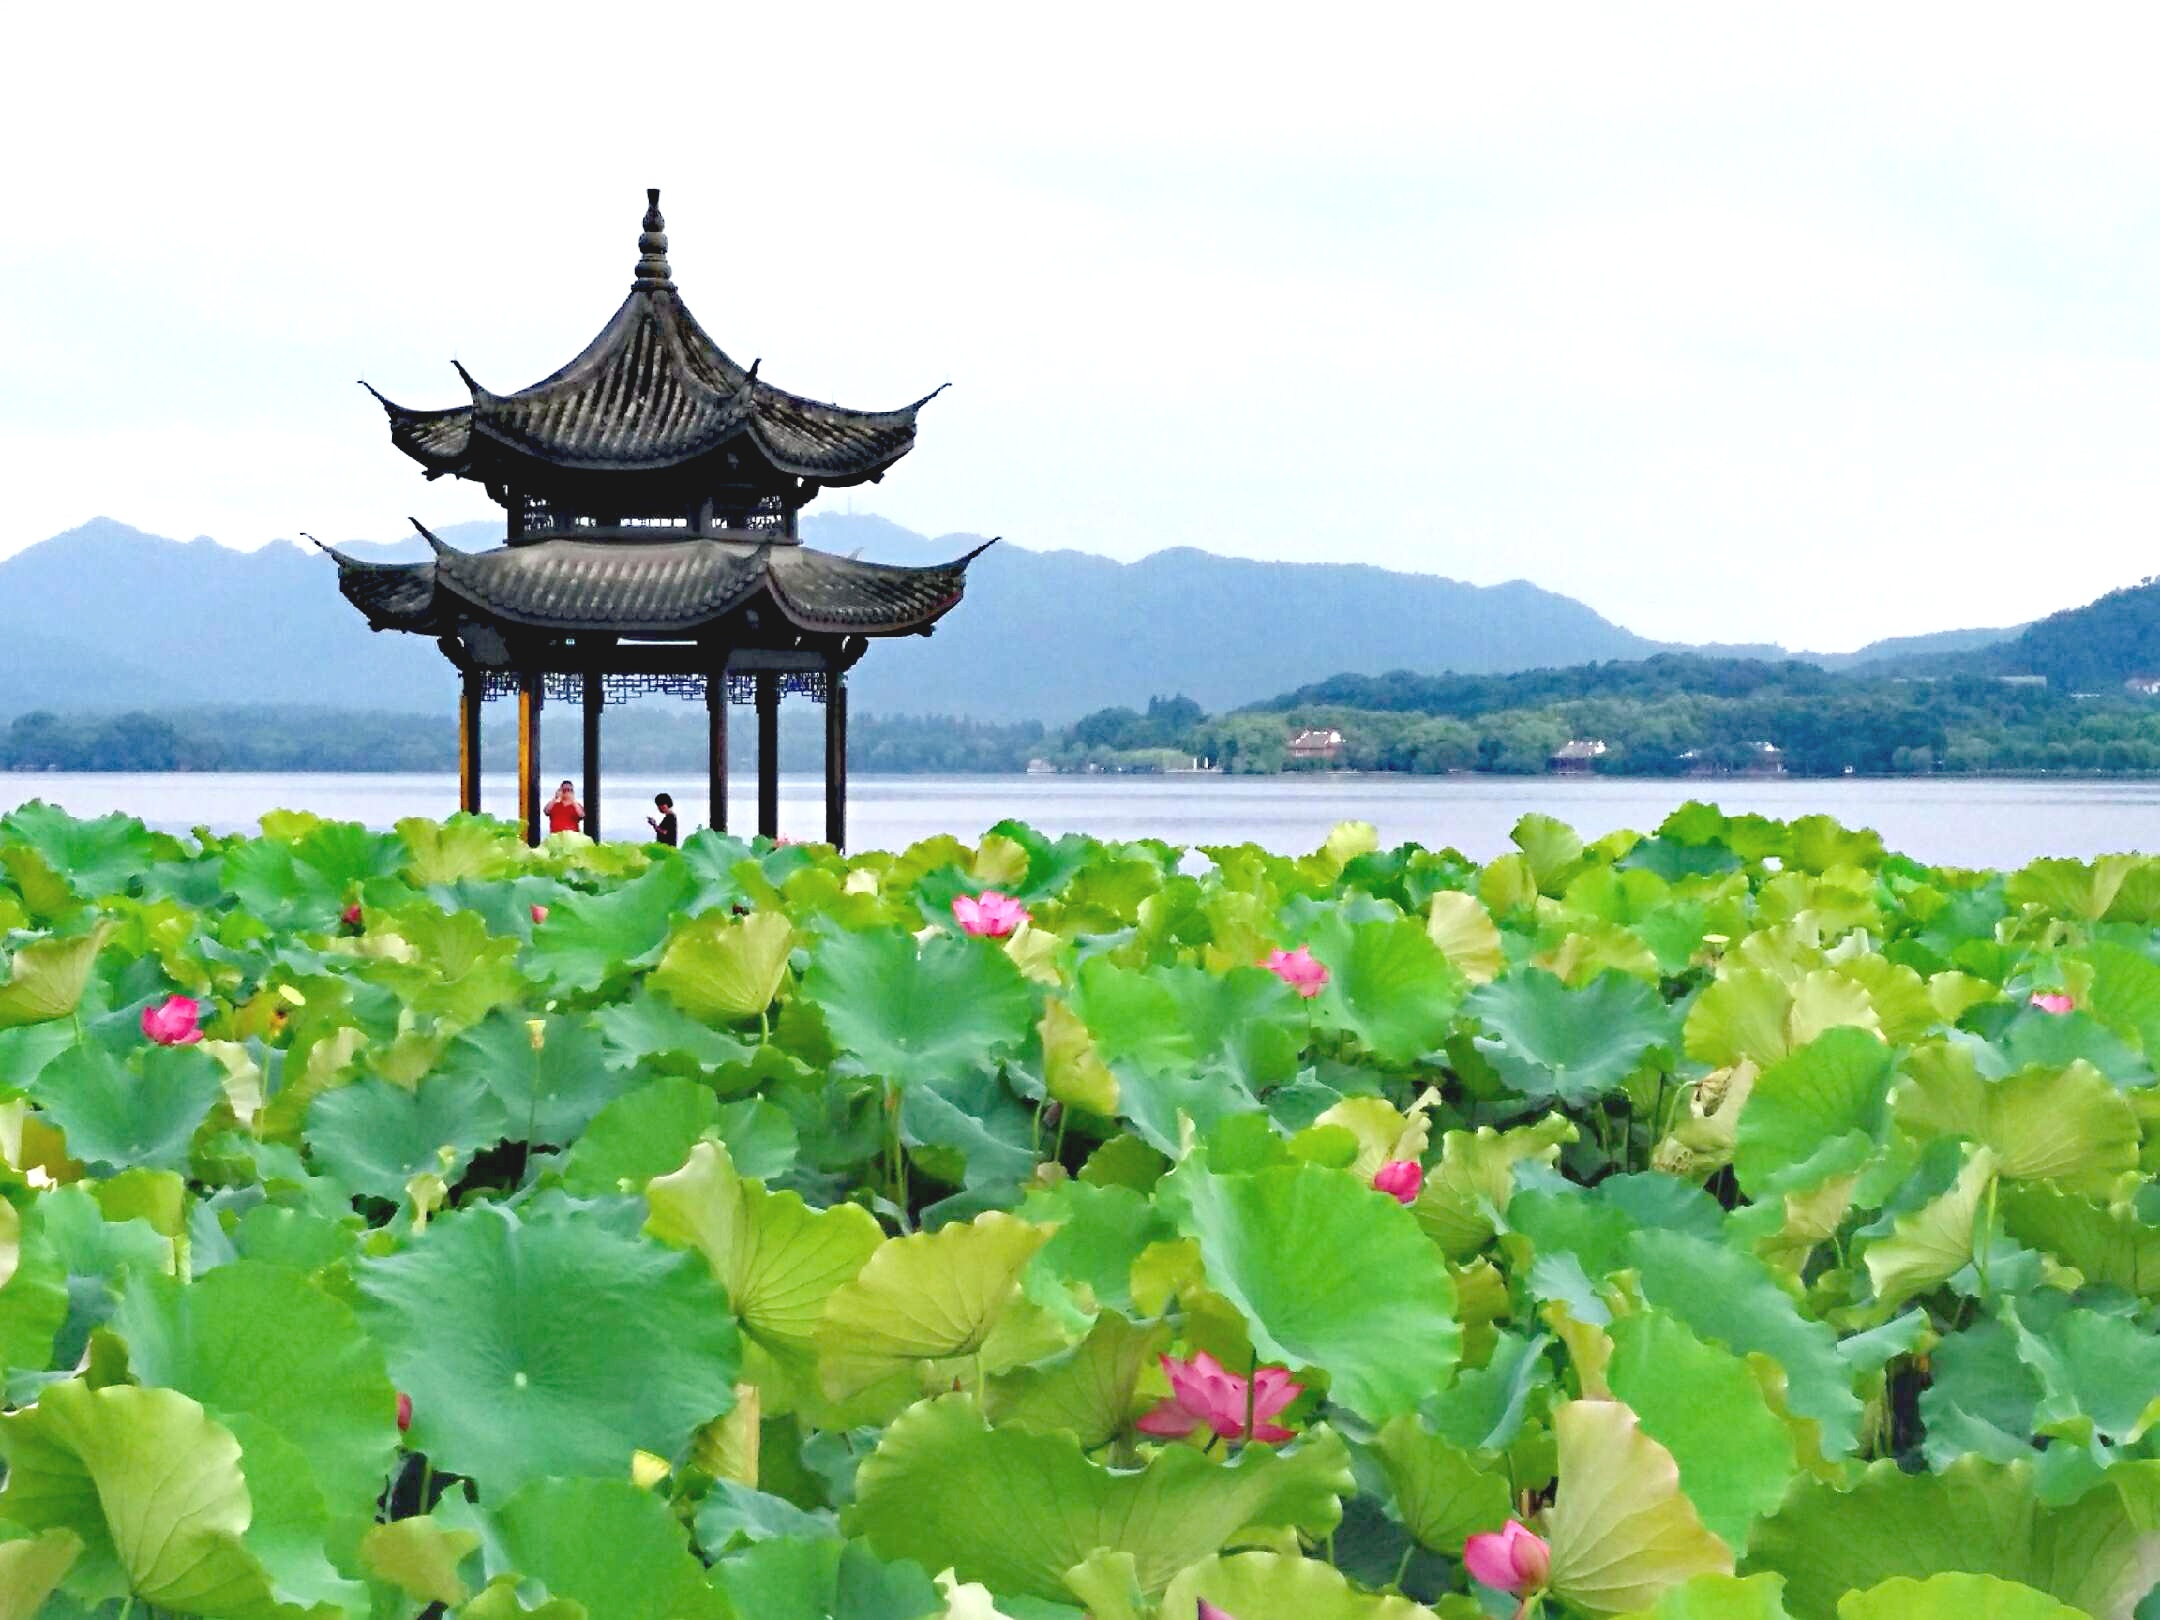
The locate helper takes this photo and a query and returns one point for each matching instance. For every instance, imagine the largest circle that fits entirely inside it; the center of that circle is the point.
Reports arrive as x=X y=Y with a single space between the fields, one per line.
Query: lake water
x=1940 y=820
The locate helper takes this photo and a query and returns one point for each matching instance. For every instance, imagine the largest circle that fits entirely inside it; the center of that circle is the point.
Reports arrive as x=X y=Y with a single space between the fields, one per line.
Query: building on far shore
x=2143 y=685
x=1755 y=759
x=1576 y=757
x=1322 y=747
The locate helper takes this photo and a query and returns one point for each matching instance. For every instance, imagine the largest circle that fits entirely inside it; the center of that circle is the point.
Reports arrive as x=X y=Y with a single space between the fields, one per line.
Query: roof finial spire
x=652 y=265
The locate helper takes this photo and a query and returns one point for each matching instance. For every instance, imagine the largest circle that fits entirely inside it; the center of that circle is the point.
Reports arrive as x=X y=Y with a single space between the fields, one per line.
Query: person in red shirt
x=564 y=813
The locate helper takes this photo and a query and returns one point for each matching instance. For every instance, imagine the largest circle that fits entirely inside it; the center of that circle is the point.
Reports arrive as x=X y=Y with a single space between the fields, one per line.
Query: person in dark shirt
x=663 y=826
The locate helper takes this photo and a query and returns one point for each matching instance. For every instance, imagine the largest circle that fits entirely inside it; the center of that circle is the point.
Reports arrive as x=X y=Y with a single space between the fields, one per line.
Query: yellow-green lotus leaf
x=1622 y=1531
x=1935 y=1242
x=419 y=1557
x=47 y=977
x=724 y=969
x=1441 y=1494
x=2071 y=1127
x=1468 y=1190
x=1278 y=1586
x=151 y=1485
x=1382 y=1130
x=1073 y=1071
x=779 y=1259
x=31 y=1571
x=925 y=1297
x=1721 y=1597
x=1089 y=1391
x=1953 y=1597
x=499 y=1600
x=1466 y=934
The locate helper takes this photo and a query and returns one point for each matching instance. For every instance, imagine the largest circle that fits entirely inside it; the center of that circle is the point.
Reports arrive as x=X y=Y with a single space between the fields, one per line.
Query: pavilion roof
x=652 y=391
x=667 y=588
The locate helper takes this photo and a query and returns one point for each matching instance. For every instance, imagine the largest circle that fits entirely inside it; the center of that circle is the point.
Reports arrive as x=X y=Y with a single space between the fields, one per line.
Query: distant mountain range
x=105 y=616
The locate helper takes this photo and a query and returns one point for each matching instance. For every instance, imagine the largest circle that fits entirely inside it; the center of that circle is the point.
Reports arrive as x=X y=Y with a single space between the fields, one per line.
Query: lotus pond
x=1733 y=1222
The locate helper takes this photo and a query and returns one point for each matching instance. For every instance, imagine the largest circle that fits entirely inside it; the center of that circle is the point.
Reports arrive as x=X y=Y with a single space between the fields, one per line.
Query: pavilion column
x=595 y=699
x=836 y=757
x=532 y=690
x=768 y=754
x=472 y=698
x=716 y=706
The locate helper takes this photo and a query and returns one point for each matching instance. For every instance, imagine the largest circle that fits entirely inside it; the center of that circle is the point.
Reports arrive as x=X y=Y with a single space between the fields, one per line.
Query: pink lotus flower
x=1298 y=970
x=174 y=1022
x=1208 y=1611
x=988 y=915
x=2053 y=1001
x=1514 y=1560
x=1400 y=1179
x=404 y=1412
x=539 y=914
x=1203 y=1392
x=351 y=915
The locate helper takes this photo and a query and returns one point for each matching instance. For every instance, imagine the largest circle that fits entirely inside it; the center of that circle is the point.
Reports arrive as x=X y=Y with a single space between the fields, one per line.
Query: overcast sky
x=1809 y=327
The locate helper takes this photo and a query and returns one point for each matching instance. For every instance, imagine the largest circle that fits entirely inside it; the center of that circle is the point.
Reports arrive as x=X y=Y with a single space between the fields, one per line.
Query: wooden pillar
x=716 y=703
x=768 y=754
x=532 y=691
x=836 y=757
x=472 y=699
x=595 y=697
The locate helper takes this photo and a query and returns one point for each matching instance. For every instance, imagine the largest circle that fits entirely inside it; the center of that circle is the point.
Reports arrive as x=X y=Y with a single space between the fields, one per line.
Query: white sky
x=1812 y=328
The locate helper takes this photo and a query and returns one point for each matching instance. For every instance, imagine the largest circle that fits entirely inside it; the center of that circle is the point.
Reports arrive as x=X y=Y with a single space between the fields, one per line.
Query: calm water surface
x=1944 y=821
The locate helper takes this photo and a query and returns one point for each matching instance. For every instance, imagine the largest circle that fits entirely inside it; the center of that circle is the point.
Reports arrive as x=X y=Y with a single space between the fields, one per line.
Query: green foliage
x=748 y=1241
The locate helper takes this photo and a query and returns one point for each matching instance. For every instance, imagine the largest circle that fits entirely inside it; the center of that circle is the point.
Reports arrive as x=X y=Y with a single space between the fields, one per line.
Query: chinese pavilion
x=651 y=488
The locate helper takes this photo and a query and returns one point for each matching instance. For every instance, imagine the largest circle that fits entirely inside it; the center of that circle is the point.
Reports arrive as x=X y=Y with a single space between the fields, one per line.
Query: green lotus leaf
x=779 y=1260
x=2125 y=991
x=1935 y=1242
x=650 y=1032
x=1387 y=984
x=151 y=1485
x=1704 y=1406
x=2069 y=1127
x=824 y=1579
x=608 y=1546
x=47 y=977
x=373 y=1137
x=31 y=1570
x=420 y=1557
x=1953 y=1597
x=1466 y=935
x=1486 y=1407
x=113 y=1117
x=98 y=857
x=1621 y=1531
x=641 y=1134
x=33 y=1292
x=1819 y=1112
x=591 y=940
x=1134 y=1018
x=724 y=969
x=499 y=1600
x=290 y=1531
x=1244 y=1019
x=548 y=1089
x=2100 y=1554
x=1278 y=1244
x=1101 y=1231
x=1088 y=1391
x=552 y=1342
x=1442 y=1496
x=1470 y=1189
x=2108 y=1243
x=973 y=1113
x=929 y=1296
x=1276 y=1586
x=912 y=1015
x=1550 y=1041
x=733 y=1514
x=2094 y=1372
x=1721 y=1597
x=1731 y=1299
x=326 y=1391
x=1015 y=1511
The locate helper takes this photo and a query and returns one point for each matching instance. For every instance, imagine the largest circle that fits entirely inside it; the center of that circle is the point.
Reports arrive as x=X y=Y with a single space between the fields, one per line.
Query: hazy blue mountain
x=107 y=616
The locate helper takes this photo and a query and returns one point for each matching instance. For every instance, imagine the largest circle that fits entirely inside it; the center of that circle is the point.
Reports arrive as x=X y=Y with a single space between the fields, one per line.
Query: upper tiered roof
x=652 y=392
